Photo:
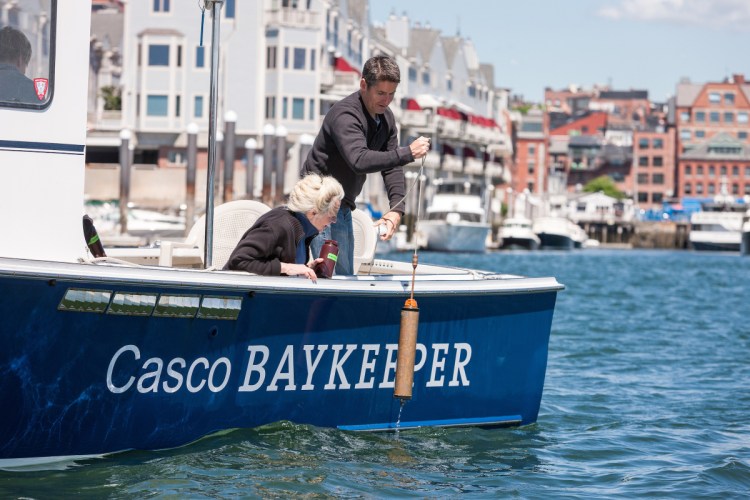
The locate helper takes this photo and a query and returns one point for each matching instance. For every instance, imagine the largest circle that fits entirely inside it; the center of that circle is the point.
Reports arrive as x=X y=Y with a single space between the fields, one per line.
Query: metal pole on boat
x=192 y=160
x=125 y=136
x=251 y=146
x=215 y=7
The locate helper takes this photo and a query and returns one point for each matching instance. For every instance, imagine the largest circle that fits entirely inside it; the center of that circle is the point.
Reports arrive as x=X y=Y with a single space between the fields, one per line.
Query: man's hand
x=420 y=147
x=390 y=222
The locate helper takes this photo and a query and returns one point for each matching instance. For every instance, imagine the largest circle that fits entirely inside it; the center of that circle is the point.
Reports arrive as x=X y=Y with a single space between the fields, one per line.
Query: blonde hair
x=316 y=193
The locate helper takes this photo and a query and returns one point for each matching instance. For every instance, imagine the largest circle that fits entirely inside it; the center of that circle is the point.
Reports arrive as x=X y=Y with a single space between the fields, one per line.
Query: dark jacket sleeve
x=350 y=138
x=259 y=251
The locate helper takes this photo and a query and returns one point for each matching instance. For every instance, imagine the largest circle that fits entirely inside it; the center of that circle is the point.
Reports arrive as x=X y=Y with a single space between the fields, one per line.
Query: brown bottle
x=330 y=254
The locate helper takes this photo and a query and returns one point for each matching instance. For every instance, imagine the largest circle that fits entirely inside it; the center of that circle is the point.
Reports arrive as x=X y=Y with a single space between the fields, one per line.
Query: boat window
x=27 y=54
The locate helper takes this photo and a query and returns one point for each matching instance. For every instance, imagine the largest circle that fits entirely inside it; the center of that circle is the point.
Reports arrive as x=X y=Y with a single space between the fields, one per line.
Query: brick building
x=712 y=137
x=652 y=179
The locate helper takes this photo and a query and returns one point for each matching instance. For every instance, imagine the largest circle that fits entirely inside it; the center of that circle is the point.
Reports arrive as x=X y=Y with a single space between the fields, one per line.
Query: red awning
x=413 y=105
x=341 y=64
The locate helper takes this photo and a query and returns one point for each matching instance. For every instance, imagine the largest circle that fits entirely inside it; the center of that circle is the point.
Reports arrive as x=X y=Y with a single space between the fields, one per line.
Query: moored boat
x=102 y=355
x=555 y=233
x=455 y=219
x=718 y=225
x=516 y=233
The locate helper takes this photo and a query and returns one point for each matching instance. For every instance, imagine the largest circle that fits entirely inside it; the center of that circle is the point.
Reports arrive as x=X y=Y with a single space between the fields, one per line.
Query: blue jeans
x=343 y=233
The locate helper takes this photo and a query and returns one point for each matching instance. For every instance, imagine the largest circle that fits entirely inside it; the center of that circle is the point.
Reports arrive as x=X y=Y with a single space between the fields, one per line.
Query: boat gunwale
x=454 y=284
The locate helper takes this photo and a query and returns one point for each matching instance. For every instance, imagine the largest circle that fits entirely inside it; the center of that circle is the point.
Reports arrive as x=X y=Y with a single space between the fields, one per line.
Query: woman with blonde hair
x=279 y=241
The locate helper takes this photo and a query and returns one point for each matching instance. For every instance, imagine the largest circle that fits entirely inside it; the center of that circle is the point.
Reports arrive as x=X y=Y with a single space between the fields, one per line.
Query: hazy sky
x=629 y=44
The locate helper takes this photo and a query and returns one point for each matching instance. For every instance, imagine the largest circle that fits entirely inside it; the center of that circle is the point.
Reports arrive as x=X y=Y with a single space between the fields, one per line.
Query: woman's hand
x=300 y=270
x=390 y=222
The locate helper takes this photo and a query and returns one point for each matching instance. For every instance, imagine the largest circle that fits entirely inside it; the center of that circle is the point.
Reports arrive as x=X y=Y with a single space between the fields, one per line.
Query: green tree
x=112 y=98
x=604 y=184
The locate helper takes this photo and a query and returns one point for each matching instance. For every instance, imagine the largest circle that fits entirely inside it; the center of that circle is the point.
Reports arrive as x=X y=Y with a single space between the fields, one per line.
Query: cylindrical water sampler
x=407 y=350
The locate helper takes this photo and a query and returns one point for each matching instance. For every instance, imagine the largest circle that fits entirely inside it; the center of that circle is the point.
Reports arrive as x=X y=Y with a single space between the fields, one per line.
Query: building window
x=728 y=117
x=747 y=172
x=412 y=74
x=735 y=188
x=158 y=55
x=179 y=56
x=699 y=189
x=426 y=78
x=270 y=57
x=449 y=84
x=299 y=58
x=643 y=143
x=161 y=5
x=312 y=109
x=658 y=143
x=688 y=189
x=657 y=197
x=699 y=170
x=700 y=116
x=642 y=178
x=643 y=161
x=229 y=9
x=741 y=134
x=688 y=170
x=699 y=134
x=156 y=105
x=735 y=171
x=711 y=189
x=198 y=106
x=714 y=116
x=532 y=149
x=685 y=135
x=658 y=161
x=684 y=116
x=270 y=107
x=711 y=171
x=200 y=57
x=657 y=179
x=286 y=57
x=298 y=108
x=714 y=97
x=312 y=59
x=284 y=107
x=177 y=105
x=642 y=197
x=742 y=117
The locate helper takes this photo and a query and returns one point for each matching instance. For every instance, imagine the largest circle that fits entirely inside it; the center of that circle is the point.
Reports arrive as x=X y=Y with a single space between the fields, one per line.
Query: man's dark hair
x=14 y=45
x=381 y=69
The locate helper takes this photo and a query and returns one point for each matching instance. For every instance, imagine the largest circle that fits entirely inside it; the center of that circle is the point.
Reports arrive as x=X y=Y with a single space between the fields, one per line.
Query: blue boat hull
x=80 y=383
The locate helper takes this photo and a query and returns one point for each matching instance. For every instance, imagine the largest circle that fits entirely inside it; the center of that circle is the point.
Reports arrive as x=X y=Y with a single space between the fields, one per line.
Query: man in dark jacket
x=359 y=136
x=15 y=54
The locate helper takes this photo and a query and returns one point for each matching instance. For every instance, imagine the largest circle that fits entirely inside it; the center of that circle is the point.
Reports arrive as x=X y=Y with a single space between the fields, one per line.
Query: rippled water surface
x=647 y=394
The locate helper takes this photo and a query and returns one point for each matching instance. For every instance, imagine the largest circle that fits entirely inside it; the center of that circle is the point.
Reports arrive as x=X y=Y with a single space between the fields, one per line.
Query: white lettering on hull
x=331 y=362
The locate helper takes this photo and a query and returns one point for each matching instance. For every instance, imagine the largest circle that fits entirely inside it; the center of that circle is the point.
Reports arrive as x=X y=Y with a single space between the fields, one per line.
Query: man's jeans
x=343 y=233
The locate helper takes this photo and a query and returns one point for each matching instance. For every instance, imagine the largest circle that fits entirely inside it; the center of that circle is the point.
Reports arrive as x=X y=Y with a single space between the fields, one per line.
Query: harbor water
x=646 y=395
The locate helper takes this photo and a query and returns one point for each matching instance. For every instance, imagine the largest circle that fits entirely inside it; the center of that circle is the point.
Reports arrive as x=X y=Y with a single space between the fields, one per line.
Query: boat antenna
x=215 y=7
x=407 y=337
